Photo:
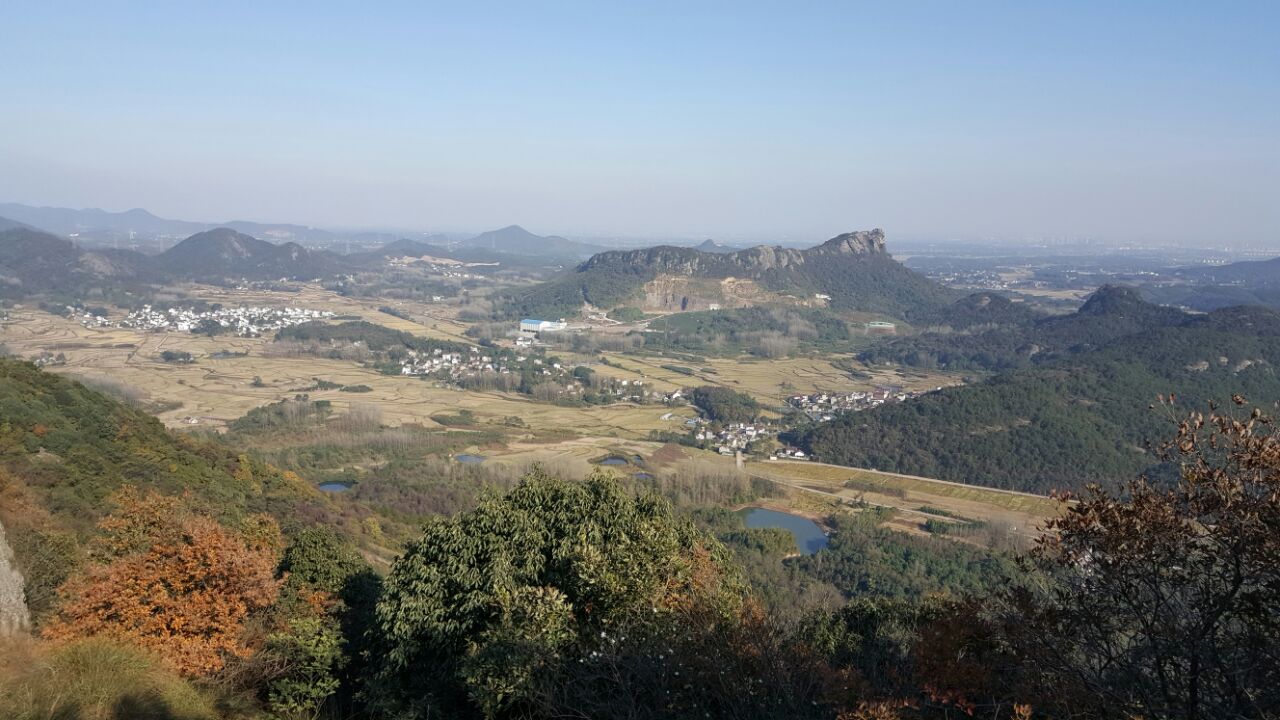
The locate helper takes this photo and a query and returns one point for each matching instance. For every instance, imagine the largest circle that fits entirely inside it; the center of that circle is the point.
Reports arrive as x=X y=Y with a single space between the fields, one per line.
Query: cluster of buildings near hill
x=242 y=321
x=822 y=407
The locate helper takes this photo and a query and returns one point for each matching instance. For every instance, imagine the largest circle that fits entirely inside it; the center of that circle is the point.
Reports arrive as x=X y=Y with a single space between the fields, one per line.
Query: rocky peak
x=860 y=242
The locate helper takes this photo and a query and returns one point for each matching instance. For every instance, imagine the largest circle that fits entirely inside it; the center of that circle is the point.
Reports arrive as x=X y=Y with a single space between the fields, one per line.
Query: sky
x=1119 y=122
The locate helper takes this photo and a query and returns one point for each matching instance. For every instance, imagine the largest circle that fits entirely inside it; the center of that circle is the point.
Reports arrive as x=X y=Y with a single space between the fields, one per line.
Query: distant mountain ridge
x=518 y=241
x=68 y=221
x=102 y=226
x=711 y=246
x=851 y=271
x=33 y=261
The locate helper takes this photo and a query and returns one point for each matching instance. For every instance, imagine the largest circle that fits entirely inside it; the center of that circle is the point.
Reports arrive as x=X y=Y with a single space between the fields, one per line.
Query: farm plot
x=218 y=388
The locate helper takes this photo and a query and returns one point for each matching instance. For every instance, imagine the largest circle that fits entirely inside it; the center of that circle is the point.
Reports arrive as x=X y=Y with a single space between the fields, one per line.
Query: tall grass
x=94 y=679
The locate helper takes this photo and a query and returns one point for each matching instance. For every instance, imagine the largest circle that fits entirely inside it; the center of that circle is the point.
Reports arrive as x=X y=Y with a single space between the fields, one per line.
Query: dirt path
x=13 y=607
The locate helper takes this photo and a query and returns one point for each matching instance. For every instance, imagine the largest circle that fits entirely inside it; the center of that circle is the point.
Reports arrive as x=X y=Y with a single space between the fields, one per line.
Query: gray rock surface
x=13 y=606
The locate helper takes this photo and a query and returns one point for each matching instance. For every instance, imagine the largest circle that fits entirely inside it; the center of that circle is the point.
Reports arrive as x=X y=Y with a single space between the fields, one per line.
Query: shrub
x=321 y=559
x=478 y=612
x=186 y=597
x=306 y=658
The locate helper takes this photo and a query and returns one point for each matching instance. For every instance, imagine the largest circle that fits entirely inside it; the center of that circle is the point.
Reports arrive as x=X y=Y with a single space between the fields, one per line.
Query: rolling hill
x=226 y=253
x=33 y=261
x=1085 y=415
x=987 y=332
x=516 y=240
x=848 y=272
x=7 y=224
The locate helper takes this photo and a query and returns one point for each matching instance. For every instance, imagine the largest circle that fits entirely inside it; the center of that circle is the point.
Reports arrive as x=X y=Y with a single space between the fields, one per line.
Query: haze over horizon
x=744 y=122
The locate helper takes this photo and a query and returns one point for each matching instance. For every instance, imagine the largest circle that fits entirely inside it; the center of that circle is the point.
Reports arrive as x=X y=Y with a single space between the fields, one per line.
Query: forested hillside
x=66 y=450
x=984 y=333
x=1084 y=417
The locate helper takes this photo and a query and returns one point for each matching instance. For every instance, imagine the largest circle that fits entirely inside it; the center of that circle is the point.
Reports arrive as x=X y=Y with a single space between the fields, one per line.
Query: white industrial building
x=531 y=327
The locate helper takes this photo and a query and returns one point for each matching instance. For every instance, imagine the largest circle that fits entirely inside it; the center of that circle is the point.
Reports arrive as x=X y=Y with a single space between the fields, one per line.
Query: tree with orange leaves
x=186 y=597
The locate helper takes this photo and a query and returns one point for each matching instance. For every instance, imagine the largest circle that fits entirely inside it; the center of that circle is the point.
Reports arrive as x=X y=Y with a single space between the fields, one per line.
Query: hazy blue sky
x=1151 y=121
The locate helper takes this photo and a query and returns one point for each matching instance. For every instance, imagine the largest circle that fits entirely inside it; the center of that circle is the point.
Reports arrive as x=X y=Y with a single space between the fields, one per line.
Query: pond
x=614 y=461
x=809 y=537
x=469 y=458
x=643 y=476
x=334 y=487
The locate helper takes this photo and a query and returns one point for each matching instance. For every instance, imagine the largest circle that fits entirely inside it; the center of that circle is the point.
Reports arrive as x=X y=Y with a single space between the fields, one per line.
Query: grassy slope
x=64 y=449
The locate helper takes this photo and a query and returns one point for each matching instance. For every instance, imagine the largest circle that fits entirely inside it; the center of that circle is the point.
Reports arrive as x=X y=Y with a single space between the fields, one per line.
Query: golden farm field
x=217 y=390
x=220 y=387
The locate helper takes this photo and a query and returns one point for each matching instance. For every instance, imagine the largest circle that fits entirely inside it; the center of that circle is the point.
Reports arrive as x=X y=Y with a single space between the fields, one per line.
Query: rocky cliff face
x=13 y=606
x=862 y=242
x=688 y=261
x=852 y=271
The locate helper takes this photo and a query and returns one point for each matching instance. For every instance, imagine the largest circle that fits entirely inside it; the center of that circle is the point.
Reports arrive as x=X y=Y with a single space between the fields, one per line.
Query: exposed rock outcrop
x=862 y=242
x=689 y=261
x=13 y=605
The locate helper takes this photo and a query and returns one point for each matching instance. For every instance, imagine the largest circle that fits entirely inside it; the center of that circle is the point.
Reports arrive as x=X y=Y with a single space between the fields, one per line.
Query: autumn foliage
x=183 y=587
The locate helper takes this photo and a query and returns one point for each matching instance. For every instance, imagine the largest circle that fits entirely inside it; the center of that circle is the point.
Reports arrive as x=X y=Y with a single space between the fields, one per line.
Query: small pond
x=469 y=458
x=614 y=461
x=809 y=537
x=643 y=476
x=334 y=487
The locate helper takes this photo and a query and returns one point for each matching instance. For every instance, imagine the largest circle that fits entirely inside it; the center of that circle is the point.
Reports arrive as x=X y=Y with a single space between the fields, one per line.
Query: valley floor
x=221 y=386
